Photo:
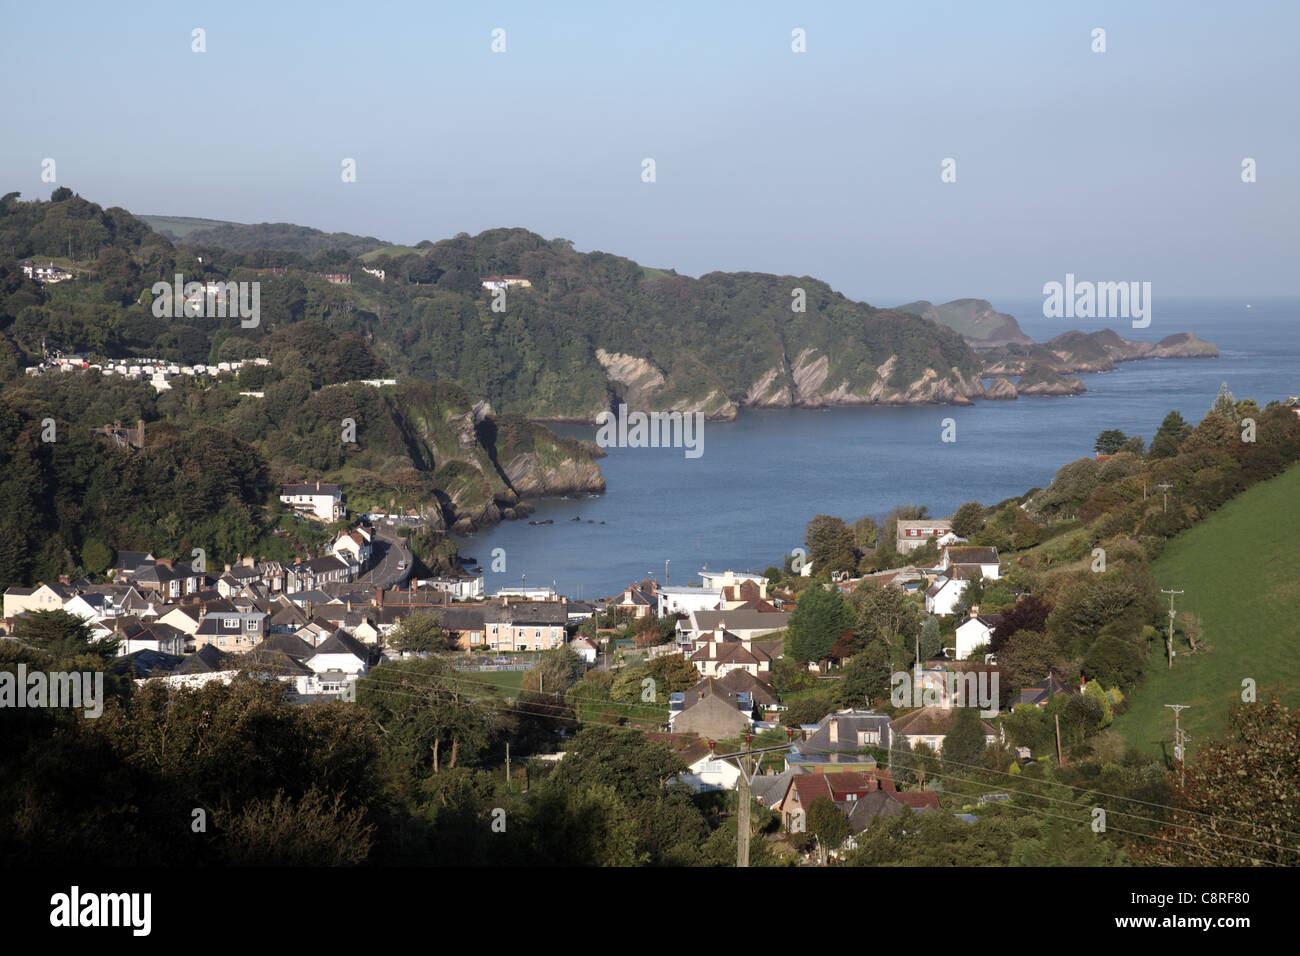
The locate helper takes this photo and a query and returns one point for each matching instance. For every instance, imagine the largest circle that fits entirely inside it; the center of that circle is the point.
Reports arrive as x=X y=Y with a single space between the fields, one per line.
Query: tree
x=1110 y=441
x=1027 y=614
x=816 y=623
x=421 y=633
x=963 y=747
x=866 y=534
x=866 y=677
x=62 y=634
x=830 y=545
x=968 y=519
x=931 y=641
x=888 y=614
x=96 y=556
x=1173 y=431
x=556 y=671
x=1239 y=797
x=828 y=825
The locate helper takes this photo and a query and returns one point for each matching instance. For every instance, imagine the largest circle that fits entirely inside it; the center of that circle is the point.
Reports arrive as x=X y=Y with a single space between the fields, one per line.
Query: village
x=321 y=623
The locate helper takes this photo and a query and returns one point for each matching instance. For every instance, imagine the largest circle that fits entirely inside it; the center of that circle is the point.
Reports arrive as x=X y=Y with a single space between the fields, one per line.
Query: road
x=389 y=551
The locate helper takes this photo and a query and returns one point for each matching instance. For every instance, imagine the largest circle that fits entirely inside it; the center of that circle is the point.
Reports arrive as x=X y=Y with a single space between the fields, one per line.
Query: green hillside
x=177 y=228
x=1239 y=571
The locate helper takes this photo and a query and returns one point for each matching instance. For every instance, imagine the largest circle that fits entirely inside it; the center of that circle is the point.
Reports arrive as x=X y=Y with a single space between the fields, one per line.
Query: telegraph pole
x=742 y=759
x=1180 y=740
x=742 y=818
x=1169 y=642
x=1165 y=486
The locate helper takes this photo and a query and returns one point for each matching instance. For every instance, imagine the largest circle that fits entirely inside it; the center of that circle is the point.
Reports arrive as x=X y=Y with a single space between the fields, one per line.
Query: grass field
x=180 y=226
x=1240 y=570
x=391 y=251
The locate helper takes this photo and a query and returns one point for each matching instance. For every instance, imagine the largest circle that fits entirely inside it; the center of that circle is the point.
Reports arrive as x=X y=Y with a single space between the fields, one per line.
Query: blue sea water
x=746 y=501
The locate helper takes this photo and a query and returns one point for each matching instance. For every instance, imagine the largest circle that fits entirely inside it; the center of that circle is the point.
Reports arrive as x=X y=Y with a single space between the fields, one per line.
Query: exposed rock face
x=532 y=476
x=1000 y=388
x=1099 y=351
x=640 y=376
x=1041 y=380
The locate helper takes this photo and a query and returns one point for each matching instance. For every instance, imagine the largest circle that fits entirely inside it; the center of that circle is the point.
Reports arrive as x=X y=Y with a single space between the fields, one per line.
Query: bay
x=746 y=501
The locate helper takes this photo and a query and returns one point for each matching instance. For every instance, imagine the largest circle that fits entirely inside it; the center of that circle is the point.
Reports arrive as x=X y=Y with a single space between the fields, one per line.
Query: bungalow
x=158 y=637
x=846 y=731
x=931 y=725
x=1042 y=692
x=710 y=709
x=638 y=599
x=744 y=624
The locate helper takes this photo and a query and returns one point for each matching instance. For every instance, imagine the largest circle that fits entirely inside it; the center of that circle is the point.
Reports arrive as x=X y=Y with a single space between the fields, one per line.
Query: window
x=230 y=623
x=252 y=625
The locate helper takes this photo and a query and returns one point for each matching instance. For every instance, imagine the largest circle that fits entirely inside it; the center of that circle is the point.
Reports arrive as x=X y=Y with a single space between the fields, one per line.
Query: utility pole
x=742 y=819
x=743 y=760
x=1169 y=641
x=666 y=572
x=1180 y=740
x=1058 y=740
x=508 y=767
x=1165 y=486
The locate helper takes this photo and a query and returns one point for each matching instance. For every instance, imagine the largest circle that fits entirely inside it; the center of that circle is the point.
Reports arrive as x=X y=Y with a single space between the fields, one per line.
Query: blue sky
x=1123 y=165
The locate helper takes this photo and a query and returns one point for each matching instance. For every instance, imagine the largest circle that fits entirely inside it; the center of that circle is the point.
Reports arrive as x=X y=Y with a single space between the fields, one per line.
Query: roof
x=930 y=721
x=205 y=661
x=919 y=800
x=848 y=725
x=289 y=644
x=341 y=642
x=740 y=620
x=971 y=555
x=315 y=488
x=879 y=803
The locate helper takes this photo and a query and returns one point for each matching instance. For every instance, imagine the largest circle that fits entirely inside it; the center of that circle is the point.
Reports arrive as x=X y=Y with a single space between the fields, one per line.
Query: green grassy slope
x=1240 y=570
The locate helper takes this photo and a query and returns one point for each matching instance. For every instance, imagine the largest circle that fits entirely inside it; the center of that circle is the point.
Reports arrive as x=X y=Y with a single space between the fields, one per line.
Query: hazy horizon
x=1119 y=165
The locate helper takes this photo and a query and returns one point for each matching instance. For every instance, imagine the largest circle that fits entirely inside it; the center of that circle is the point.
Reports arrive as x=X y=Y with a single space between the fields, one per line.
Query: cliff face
x=483 y=464
x=1099 y=351
x=1042 y=380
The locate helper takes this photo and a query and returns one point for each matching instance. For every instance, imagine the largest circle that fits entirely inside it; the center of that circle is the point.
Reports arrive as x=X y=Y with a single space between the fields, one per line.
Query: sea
x=745 y=502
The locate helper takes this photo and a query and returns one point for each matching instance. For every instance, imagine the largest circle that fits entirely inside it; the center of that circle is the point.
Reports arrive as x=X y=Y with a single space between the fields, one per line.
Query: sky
x=1122 y=165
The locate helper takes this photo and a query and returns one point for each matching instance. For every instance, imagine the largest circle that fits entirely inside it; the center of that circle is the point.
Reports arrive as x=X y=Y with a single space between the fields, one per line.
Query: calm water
x=746 y=501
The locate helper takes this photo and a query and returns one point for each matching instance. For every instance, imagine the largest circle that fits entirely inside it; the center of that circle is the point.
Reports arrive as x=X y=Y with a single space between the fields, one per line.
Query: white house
x=340 y=660
x=353 y=545
x=43 y=597
x=709 y=773
x=318 y=500
x=684 y=600
x=945 y=591
x=974 y=631
x=584 y=649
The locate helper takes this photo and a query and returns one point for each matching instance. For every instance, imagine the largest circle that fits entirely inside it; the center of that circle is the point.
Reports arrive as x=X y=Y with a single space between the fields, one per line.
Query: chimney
x=713 y=649
x=835 y=730
x=974 y=611
x=139 y=433
x=379 y=598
